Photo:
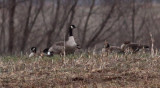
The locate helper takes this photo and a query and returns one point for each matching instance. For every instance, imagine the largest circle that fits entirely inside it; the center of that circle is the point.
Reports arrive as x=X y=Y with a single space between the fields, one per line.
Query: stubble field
x=81 y=71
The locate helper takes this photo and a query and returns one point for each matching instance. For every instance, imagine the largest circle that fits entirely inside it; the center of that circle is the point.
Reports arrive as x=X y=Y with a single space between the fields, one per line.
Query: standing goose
x=133 y=47
x=112 y=49
x=68 y=46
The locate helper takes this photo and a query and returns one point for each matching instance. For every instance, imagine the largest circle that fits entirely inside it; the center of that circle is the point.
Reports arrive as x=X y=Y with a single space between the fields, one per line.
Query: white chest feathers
x=71 y=42
x=31 y=55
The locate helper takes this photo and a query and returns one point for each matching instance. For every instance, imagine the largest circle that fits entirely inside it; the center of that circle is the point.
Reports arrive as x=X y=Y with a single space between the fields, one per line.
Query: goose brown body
x=68 y=46
x=133 y=47
x=60 y=47
x=112 y=49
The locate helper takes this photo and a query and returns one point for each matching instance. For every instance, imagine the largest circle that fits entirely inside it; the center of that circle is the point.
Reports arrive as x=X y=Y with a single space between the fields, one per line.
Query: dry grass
x=82 y=71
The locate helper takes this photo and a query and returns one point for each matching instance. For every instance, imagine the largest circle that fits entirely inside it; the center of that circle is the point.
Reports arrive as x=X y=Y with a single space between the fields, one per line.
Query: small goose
x=133 y=47
x=112 y=49
x=68 y=46
x=33 y=52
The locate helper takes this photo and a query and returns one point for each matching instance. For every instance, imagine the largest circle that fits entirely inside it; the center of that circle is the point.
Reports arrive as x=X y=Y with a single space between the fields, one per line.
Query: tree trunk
x=133 y=21
x=71 y=17
x=29 y=25
x=103 y=24
x=54 y=25
x=26 y=28
x=3 y=17
x=12 y=7
x=86 y=23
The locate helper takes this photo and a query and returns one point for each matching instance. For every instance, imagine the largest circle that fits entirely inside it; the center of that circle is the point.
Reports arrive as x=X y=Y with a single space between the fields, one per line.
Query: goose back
x=112 y=49
x=133 y=47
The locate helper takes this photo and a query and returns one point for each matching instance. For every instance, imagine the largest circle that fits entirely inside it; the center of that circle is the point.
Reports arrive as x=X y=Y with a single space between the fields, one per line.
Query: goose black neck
x=70 y=32
x=107 y=46
x=35 y=51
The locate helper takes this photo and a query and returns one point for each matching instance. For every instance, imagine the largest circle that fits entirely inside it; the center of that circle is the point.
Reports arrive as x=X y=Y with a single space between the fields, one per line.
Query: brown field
x=81 y=71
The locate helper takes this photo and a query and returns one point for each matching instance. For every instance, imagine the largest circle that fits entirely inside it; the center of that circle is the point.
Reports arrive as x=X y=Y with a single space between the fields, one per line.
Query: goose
x=69 y=46
x=33 y=52
x=133 y=47
x=112 y=49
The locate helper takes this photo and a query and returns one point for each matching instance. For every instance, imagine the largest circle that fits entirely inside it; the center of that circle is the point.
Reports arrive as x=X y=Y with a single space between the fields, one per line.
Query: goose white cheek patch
x=72 y=27
x=49 y=53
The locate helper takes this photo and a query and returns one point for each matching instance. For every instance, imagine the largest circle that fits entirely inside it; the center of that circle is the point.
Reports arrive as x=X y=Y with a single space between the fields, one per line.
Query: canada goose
x=33 y=52
x=112 y=49
x=133 y=47
x=68 y=46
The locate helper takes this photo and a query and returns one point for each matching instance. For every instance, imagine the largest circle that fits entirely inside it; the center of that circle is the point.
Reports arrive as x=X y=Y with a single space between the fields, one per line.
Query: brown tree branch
x=86 y=23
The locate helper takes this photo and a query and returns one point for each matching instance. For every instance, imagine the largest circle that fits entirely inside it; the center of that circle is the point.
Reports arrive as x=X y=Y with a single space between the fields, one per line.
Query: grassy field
x=81 y=71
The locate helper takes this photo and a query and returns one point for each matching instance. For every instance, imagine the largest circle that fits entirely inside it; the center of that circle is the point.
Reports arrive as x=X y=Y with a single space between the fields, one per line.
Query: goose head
x=33 y=49
x=106 y=44
x=71 y=29
x=72 y=26
x=46 y=52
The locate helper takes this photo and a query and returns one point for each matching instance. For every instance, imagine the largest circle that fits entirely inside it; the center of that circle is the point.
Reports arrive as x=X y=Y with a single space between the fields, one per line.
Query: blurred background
x=40 y=23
